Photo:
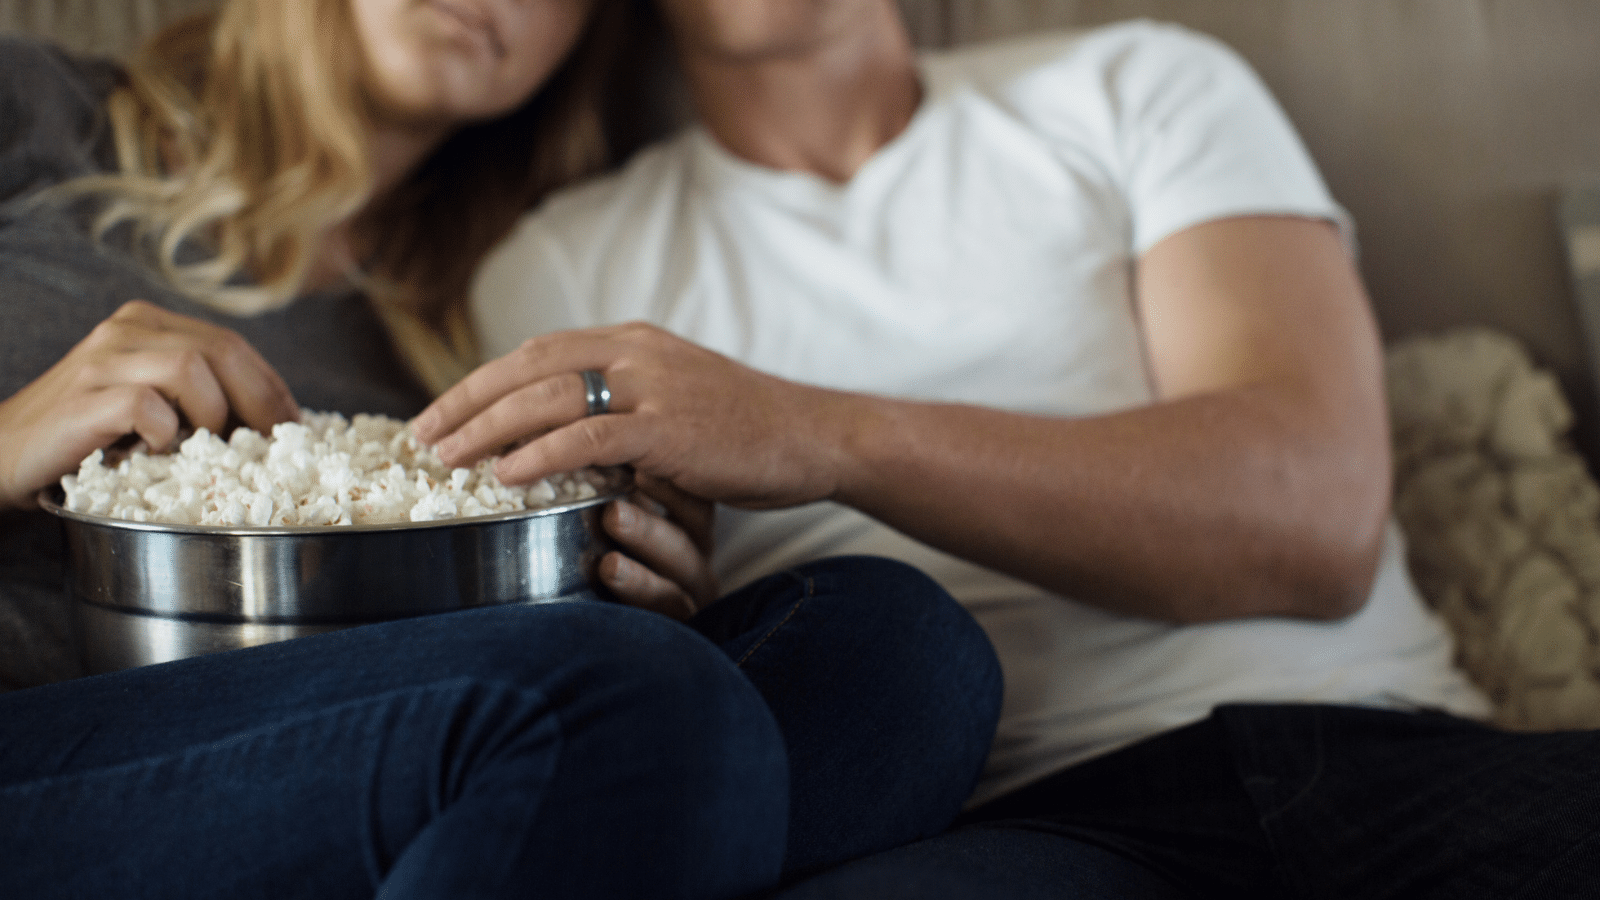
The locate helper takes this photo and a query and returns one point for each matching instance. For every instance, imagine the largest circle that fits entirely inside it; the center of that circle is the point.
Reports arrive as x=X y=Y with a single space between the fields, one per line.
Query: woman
x=249 y=159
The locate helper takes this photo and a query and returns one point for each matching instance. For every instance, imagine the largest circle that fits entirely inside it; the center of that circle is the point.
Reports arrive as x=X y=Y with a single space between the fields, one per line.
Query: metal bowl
x=147 y=592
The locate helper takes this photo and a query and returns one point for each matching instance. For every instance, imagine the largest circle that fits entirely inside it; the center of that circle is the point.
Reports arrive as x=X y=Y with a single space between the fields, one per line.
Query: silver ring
x=595 y=392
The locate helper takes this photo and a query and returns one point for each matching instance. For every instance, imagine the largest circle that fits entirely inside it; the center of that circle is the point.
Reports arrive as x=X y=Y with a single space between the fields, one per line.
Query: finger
x=181 y=375
x=88 y=423
x=695 y=515
x=636 y=585
x=662 y=546
x=115 y=412
x=256 y=392
x=649 y=504
x=594 y=441
x=561 y=353
x=485 y=387
x=145 y=413
x=530 y=410
x=253 y=389
x=109 y=415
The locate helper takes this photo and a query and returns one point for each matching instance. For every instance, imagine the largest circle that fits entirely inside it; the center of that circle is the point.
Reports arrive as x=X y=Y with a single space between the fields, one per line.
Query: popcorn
x=322 y=470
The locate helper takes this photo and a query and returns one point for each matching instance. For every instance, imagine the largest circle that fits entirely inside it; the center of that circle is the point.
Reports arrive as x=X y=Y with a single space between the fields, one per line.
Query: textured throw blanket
x=1503 y=522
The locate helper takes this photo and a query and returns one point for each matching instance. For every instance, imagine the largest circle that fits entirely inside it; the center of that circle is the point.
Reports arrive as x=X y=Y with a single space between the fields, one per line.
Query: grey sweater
x=57 y=283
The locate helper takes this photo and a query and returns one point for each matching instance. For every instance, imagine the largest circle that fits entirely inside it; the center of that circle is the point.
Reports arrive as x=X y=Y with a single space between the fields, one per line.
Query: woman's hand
x=679 y=413
x=142 y=372
x=664 y=558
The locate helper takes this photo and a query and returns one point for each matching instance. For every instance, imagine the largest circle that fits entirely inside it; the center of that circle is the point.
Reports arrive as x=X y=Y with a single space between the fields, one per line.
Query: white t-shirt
x=983 y=256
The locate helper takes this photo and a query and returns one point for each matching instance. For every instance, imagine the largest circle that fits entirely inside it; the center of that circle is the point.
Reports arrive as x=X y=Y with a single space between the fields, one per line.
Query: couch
x=1464 y=137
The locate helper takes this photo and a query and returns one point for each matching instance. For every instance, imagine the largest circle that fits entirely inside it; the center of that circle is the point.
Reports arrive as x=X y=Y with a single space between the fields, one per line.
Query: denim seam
x=504 y=878
x=442 y=803
x=806 y=594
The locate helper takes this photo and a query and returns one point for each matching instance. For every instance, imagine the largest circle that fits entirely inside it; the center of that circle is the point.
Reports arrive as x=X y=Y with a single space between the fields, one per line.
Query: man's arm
x=1258 y=484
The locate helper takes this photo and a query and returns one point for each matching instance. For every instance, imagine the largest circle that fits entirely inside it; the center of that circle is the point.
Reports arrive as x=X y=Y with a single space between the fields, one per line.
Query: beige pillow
x=1503 y=521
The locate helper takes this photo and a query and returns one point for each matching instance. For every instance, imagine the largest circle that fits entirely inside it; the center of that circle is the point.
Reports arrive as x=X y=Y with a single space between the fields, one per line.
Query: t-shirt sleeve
x=52 y=125
x=1197 y=136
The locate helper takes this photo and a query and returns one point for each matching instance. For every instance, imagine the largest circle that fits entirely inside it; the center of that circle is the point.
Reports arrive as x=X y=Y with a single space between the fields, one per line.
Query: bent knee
x=910 y=623
x=589 y=639
x=900 y=599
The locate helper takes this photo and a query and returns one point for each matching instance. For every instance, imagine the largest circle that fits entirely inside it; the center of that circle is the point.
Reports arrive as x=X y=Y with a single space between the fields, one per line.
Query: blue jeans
x=1275 y=801
x=578 y=749
x=887 y=693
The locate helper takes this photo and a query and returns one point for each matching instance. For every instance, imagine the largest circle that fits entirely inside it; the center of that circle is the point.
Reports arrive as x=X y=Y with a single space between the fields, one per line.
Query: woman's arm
x=137 y=373
x=1257 y=485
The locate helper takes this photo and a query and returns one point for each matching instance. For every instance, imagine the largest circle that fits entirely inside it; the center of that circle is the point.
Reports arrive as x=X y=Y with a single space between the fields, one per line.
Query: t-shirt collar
x=722 y=167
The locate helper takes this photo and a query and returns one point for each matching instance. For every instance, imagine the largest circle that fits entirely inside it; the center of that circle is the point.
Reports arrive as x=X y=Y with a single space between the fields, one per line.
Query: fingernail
x=619 y=573
x=626 y=516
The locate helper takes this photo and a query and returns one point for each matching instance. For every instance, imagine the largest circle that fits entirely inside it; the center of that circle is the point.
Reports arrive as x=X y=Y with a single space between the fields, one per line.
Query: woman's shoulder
x=52 y=122
x=39 y=73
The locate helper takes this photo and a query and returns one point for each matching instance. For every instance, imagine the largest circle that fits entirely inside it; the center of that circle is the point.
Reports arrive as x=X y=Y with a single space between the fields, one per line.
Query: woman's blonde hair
x=243 y=133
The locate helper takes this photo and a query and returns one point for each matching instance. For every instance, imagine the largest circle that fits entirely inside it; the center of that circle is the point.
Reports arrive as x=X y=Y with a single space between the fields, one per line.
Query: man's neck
x=826 y=110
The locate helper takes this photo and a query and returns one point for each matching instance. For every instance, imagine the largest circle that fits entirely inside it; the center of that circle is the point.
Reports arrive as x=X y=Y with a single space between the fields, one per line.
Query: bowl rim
x=51 y=499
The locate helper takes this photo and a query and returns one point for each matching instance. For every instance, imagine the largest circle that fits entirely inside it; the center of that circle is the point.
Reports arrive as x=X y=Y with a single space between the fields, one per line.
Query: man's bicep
x=1269 y=300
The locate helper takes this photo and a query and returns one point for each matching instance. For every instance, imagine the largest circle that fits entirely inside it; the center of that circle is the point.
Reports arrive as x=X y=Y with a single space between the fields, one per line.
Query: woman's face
x=449 y=62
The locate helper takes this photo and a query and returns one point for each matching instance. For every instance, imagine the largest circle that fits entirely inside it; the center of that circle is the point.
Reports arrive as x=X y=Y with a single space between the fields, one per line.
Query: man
x=1072 y=325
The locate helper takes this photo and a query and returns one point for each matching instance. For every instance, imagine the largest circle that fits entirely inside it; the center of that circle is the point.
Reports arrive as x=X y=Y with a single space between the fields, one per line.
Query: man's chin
x=753 y=31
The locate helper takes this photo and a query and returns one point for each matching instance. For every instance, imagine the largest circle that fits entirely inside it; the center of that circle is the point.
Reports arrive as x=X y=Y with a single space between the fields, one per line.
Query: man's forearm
x=1230 y=504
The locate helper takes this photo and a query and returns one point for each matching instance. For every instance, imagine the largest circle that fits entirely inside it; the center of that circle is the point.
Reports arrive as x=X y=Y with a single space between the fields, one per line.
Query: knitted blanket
x=1503 y=521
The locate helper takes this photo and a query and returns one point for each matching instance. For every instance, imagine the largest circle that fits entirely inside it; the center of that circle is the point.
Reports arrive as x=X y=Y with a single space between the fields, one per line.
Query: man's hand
x=664 y=560
x=1256 y=484
x=695 y=426
x=680 y=414
x=140 y=372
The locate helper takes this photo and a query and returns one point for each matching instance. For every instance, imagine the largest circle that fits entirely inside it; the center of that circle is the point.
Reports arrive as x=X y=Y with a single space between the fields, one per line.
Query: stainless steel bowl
x=146 y=592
